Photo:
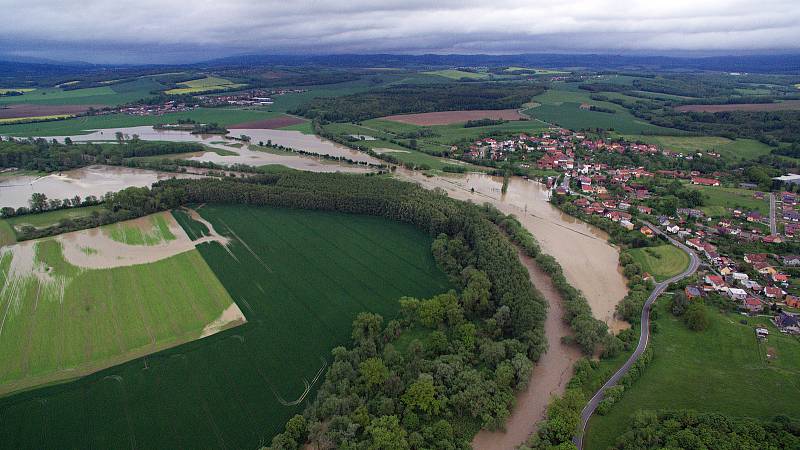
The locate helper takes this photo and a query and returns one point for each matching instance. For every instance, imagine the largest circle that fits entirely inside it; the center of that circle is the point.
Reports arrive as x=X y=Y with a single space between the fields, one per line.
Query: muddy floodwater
x=589 y=262
x=248 y=154
x=92 y=180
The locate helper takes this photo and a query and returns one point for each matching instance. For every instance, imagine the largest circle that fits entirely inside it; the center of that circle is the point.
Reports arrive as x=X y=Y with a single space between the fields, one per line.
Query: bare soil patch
x=20 y=110
x=450 y=117
x=269 y=124
x=781 y=106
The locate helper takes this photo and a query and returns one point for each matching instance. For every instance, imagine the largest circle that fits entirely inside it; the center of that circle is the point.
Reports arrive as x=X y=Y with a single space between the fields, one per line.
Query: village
x=757 y=283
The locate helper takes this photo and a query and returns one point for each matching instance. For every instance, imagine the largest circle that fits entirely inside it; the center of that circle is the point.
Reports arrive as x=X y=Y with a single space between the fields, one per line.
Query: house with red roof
x=705 y=181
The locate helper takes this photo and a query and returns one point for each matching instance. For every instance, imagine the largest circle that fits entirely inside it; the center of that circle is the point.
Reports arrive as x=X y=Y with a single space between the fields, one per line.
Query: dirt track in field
x=269 y=124
x=450 y=117
x=20 y=110
x=787 y=105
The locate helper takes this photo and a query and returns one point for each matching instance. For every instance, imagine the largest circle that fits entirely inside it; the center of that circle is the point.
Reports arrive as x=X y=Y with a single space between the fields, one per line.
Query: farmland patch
x=299 y=277
x=786 y=105
x=450 y=117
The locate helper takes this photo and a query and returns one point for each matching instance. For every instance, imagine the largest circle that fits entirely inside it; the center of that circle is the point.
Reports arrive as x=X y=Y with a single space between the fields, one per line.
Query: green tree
x=38 y=201
x=385 y=433
x=373 y=371
x=421 y=395
x=696 y=317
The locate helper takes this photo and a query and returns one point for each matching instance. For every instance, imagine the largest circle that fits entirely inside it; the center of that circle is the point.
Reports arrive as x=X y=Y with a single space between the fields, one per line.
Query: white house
x=740 y=276
x=673 y=229
x=737 y=294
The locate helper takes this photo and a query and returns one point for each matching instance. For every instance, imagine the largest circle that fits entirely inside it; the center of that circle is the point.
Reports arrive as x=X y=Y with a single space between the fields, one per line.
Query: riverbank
x=582 y=250
x=550 y=374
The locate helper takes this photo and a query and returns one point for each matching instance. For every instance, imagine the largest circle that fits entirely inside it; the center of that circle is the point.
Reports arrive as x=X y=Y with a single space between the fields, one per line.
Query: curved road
x=644 y=336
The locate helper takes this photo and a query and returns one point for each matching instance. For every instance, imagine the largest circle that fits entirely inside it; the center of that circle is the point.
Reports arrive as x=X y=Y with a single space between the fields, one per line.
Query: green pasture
x=718 y=201
x=723 y=369
x=116 y=94
x=662 y=262
x=83 y=125
x=727 y=148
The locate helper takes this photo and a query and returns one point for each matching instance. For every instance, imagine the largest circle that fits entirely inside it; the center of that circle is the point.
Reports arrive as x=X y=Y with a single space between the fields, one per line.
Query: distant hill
x=746 y=63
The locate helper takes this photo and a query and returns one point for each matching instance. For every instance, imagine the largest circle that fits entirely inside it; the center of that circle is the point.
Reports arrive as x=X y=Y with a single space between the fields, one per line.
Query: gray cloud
x=107 y=30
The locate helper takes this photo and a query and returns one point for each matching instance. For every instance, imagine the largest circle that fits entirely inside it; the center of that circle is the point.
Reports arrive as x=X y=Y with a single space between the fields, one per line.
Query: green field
x=445 y=135
x=662 y=262
x=81 y=125
x=67 y=322
x=50 y=218
x=204 y=85
x=727 y=148
x=7 y=234
x=128 y=233
x=723 y=369
x=561 y=105
x=300 y=277
x=454 y=74
x=7 y=90
x=116 y=94
x=717 y=200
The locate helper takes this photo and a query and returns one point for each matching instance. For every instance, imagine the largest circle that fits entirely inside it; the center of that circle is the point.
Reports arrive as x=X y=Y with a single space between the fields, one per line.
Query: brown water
x=589 y=262
x=248 y=154
x=92 y=180
x=550 y=375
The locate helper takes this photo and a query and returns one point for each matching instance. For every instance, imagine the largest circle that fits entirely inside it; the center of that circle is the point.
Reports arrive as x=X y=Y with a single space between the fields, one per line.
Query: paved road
x=644 y=335
x=773 y=224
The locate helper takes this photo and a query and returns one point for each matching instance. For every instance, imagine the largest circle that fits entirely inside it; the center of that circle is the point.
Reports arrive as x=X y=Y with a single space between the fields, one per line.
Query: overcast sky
x=181 y=30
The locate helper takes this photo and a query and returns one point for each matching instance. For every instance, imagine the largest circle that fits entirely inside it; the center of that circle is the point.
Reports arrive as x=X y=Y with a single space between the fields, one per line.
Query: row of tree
x=49 y=156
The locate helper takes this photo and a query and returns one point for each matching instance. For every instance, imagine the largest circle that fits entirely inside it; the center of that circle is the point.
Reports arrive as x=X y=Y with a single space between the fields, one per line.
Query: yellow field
x=7 y=90
x=68 y=83
x=204 y=85
x=28 y=119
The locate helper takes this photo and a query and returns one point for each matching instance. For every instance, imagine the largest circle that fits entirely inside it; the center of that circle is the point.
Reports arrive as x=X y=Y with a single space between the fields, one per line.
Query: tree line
x=50 y=156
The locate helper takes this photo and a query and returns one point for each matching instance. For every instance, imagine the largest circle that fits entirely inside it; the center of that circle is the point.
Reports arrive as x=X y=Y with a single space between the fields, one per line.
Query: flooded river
x=92 y=180
x=589 y=262
x=248 y=154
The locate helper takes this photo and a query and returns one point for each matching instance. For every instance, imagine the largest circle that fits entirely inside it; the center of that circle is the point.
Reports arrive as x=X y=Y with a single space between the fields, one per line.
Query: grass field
x=204 y=85
x=7 y=234
x=151 y=230
x=60 y=321
x=662 y=262
x=104 y=95
x=50 y=218
x=454 y=74
x=561 y=105
x=80 y=125
x=718 y=200
x=300 y=277
x=727 y=148
x=723 y=369
x=7 y=90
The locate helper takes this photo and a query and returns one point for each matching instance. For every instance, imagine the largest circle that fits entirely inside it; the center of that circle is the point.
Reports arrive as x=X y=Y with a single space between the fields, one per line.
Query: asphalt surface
x=644 y=336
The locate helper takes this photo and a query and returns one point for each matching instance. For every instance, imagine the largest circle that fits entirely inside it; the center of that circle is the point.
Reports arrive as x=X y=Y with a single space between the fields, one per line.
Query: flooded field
x=589 y=262
x=251 y=156
x=83 y=301
x=92 y=180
